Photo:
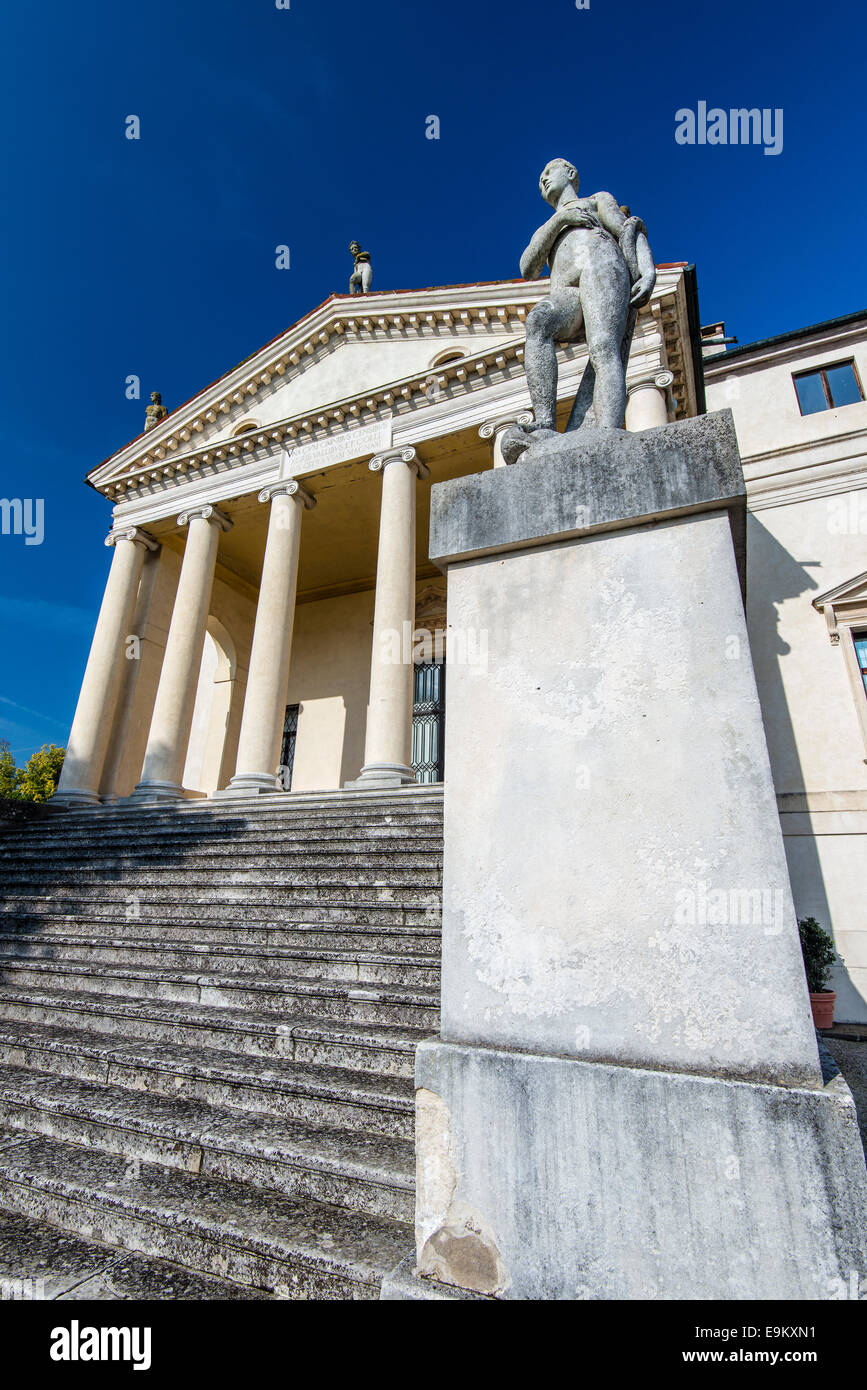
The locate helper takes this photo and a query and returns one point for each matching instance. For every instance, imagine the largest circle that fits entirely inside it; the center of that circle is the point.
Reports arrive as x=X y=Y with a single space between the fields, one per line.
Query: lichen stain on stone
x=454 y=1243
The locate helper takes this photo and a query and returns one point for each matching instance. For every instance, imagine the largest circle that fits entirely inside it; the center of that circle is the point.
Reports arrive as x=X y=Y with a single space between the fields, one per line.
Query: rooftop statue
x=155 y=412
x=602 y=271
x=362 y=276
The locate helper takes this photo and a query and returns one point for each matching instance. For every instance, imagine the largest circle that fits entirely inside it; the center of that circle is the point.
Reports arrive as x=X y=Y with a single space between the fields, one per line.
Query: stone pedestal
x=626 y=1100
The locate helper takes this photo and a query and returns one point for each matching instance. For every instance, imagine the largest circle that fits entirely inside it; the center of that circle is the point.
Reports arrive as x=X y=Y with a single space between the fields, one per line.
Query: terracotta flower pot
x=823 y=1008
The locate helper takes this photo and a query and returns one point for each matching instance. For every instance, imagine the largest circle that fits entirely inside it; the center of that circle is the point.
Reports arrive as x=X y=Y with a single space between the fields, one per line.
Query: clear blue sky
x=306 y=127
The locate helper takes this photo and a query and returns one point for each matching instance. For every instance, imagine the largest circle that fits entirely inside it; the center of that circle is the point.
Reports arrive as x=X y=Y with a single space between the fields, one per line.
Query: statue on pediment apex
x=155 y=412
x=362 y=276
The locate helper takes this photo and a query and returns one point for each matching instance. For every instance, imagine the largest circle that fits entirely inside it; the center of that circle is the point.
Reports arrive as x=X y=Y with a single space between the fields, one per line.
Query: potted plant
x=819 y=955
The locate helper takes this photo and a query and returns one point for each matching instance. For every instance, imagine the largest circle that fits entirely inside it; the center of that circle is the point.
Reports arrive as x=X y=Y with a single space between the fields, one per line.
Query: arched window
x=245 y=427
x=451 y=355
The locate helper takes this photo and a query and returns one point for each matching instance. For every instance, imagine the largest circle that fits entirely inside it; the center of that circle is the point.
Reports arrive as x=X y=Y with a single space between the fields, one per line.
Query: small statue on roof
x=155 y=412
x=362 y=276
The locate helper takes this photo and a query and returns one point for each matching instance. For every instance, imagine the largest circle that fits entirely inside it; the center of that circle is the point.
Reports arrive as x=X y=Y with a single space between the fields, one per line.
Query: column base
x=545 y=1178
x=251 y=784
x=377 y=776
x=74 y=797
x=153 y=790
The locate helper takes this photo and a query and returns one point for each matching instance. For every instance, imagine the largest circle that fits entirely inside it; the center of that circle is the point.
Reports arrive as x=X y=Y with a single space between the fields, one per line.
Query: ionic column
x=647 y=401
x=94 y=714
x=497 y=427
x=388 y=741
x=176 y=694
x=268 y=677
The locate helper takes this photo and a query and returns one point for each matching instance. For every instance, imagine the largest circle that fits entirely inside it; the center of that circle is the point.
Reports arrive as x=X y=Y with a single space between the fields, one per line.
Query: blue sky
x=306 y=127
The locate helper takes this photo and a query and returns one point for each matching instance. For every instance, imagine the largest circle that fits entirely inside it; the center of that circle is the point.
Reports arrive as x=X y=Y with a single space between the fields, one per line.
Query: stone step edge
x=16 y=1173
x=308 y=1080
x=392 y=994
x=330 y=955
x=86 y=1110
x=378 y=1037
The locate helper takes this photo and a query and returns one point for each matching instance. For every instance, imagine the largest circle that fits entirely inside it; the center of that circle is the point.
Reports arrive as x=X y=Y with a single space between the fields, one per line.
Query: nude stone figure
x=155 y=412
x=602 y=271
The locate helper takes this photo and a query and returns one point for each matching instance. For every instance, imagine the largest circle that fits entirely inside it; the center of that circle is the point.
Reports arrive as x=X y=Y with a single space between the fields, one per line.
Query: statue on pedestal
x=362 y=276
x=602 y=272
x=155 y=412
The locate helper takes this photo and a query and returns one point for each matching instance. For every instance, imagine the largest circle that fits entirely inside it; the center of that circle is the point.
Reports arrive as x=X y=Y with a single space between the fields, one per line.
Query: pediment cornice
x=846 y=600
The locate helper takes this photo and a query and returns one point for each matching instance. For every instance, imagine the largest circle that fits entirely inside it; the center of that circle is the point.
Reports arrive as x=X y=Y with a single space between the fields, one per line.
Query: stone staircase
x=208 y=1020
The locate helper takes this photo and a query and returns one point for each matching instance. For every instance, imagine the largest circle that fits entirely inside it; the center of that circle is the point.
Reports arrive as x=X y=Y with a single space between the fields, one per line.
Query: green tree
x=41 y=773
x=9 y=773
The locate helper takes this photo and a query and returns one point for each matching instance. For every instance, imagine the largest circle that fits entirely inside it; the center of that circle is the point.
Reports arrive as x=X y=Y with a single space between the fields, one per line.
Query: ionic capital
x=406 y=455
x=661 y=380
x=504 y=422
x=289 y=489
x=132 y=533
x=207 y=512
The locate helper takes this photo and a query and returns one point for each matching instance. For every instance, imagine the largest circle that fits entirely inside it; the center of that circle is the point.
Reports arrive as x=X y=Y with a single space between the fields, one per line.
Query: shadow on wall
x=773 y=576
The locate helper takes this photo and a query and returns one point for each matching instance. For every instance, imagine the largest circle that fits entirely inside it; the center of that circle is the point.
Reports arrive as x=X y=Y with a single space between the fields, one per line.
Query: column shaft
x=176 y=694
x=94 y=713
x=268 y=678
x=388 y=740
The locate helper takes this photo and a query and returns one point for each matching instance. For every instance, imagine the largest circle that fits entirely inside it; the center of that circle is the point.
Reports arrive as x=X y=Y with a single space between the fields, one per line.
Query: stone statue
x=155 y=412
x=602 y=271
x=362 y=276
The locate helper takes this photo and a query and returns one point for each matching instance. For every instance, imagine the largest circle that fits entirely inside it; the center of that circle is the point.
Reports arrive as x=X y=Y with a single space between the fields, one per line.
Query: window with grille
x=287 y=751
x=429 y=720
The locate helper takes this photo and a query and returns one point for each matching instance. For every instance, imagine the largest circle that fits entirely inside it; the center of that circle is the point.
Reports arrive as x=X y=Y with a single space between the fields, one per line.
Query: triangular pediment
x=852 y=591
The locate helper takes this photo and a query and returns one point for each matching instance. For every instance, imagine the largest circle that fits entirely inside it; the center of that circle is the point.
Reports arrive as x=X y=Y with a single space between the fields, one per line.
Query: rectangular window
x=860 y=640
x=828 y=387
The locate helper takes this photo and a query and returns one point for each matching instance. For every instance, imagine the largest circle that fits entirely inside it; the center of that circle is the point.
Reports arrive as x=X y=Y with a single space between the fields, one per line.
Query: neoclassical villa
x=271 y=615
x=368 y=933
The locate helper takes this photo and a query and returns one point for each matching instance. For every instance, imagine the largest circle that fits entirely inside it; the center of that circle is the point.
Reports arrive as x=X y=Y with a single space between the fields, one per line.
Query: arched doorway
x=204 y=770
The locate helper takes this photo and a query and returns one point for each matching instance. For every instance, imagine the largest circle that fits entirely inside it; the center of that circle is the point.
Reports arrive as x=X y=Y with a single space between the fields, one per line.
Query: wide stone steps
x=229 y=908
x=315 y=936
x=322 y=856
x=363 y=1172
x=291 y=1247
x=346 y=966
x=208 y=1022
x=369 y=1101
x=385 y=1049
x=380 y=1003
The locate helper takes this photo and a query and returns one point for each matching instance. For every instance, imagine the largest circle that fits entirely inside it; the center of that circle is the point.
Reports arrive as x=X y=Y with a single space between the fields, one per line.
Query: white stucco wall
x=801 y=470
x=329 y=678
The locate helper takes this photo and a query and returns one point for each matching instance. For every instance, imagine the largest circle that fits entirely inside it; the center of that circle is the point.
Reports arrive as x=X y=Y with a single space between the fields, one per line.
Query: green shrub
x=819 y=954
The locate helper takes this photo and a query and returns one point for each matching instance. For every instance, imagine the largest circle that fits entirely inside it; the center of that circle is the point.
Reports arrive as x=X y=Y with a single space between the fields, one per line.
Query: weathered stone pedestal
x=626 y=1099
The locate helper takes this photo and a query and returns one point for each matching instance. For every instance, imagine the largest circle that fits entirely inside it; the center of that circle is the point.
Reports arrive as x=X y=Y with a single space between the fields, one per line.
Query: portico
x=271 y=536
